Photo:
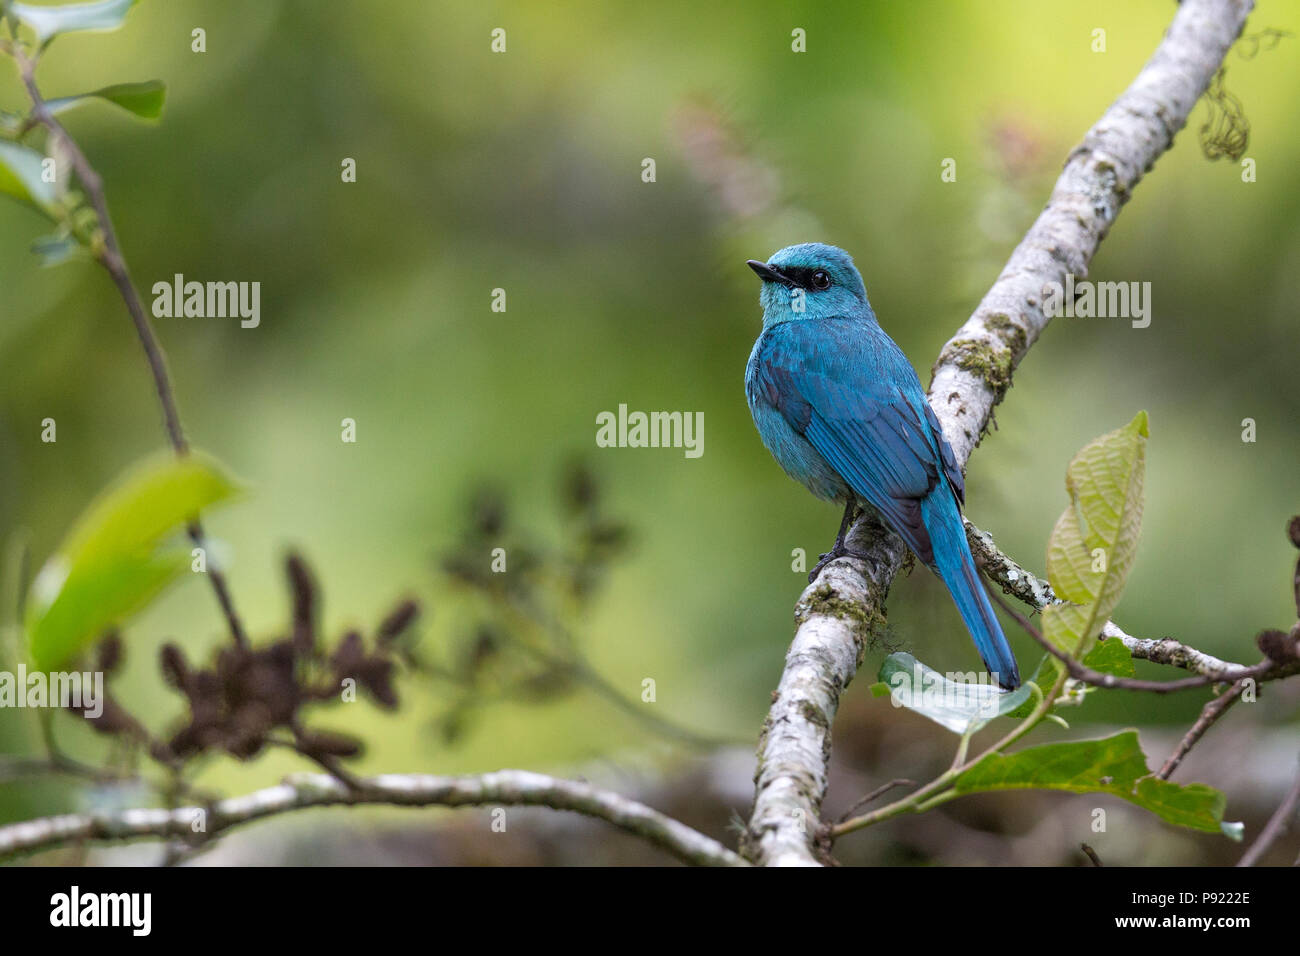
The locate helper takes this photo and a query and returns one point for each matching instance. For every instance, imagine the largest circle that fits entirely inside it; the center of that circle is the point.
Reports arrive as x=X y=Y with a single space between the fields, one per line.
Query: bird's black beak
x=767 y=273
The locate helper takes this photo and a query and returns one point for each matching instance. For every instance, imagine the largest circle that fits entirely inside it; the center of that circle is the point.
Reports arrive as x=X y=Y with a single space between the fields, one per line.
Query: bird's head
x=810 y=281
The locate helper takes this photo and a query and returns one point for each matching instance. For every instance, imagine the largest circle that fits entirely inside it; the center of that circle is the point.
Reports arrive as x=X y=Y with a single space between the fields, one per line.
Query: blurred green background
x=522 y=171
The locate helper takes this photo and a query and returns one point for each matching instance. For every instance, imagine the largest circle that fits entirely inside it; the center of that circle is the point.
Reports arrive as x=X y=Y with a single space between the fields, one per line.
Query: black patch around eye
x=800 y=276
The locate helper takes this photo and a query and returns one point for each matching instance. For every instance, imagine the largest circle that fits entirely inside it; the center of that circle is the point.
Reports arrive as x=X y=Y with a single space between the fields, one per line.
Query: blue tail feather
x=955 y=565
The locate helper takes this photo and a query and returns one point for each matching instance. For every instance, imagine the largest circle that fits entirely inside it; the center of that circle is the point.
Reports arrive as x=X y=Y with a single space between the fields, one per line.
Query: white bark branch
x=502 y=788
x=971 y=376
x=837 y=616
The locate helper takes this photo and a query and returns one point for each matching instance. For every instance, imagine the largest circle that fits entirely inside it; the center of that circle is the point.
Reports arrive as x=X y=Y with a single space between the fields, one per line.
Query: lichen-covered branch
x=970 y=377
x=197 y=825
x=836 y=618
x=975 y=367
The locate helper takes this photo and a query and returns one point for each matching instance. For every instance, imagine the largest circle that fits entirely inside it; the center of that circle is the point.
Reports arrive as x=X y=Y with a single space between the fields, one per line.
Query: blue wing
x=848 y=389
x=851 y=393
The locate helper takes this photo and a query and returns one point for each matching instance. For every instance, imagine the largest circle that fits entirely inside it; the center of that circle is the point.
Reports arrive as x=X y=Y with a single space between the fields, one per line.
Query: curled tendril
x=1227 y=131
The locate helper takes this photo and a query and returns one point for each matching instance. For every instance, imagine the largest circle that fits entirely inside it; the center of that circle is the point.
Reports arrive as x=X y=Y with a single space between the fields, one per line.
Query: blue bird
x=840 y=408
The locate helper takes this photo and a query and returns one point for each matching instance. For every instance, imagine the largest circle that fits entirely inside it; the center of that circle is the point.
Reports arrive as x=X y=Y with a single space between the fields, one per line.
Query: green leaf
x=962 y=707
x=20 y=177
x=1111 y=657
x=1114 y=765
x=93 y=600
x=49 y=22
x=145 y=100
x=112 y=564
x=1092 y=547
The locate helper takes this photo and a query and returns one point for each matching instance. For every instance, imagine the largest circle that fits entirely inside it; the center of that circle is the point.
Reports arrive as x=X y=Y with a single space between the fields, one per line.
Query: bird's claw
x=839 y=551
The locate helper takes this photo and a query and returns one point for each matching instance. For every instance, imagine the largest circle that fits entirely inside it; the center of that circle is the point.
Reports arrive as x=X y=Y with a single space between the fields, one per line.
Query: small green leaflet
x=1113 y=765
x=1111 y=657
x=145 y=100
x=49 y=22
x=1093 y=545
x=962 y=707
x=20 y=177
x=56 y=250
x=113 y=561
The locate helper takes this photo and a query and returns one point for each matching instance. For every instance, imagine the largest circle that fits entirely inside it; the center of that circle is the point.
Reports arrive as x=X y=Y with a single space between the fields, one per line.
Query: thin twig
x=874 y=794
x=939 y=790
x=111 y=255
x=1097 y=678
x=575 y=665
x=1210 y=713
x=111 y=258
x=1036 y=593
x=197 y=825
x=21 y=768
x=1277 y=823
x=326 y=762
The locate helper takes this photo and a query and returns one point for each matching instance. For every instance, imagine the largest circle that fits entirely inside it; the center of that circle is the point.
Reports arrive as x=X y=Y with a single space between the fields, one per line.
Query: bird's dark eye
x=820 y=280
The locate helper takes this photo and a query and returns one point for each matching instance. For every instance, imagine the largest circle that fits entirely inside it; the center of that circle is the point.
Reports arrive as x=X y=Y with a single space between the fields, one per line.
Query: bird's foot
x=839 y=551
